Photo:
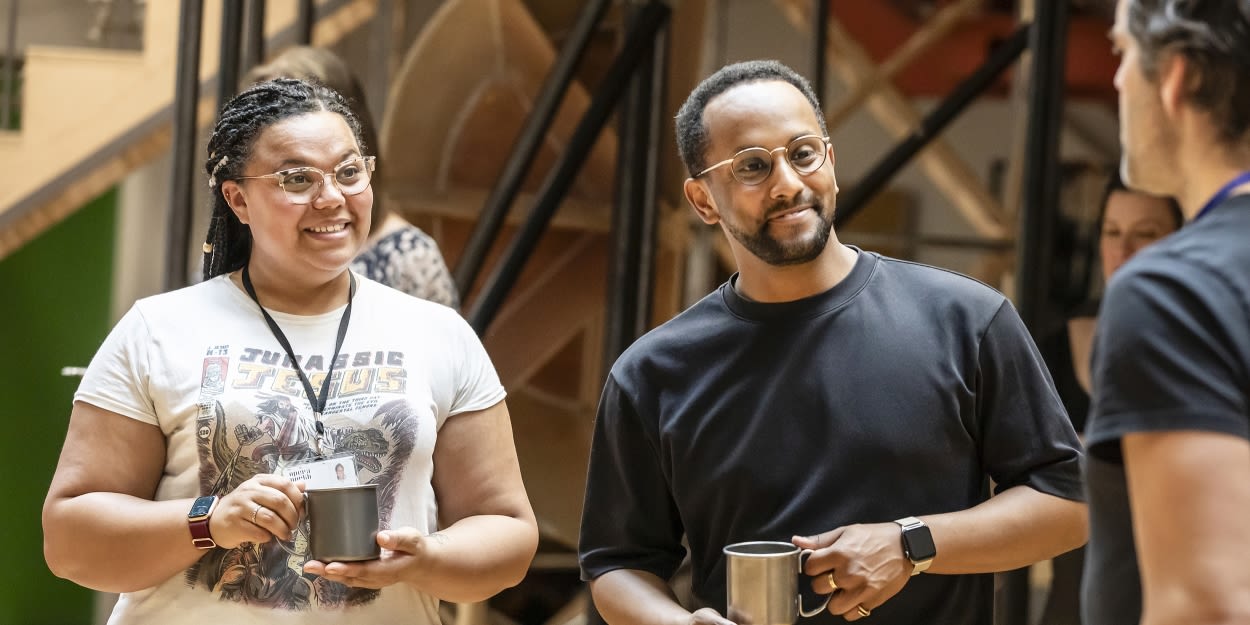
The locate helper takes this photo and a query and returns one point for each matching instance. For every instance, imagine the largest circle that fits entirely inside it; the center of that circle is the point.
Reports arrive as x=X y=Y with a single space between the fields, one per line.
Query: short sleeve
x=119 y=376
x=1026 y=436
x=629 y=520
x=477 y=385
x=1168 y=355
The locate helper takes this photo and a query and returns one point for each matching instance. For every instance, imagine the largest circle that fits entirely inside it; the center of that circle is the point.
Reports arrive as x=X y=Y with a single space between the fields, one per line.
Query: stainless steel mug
x=343 y=523
x=763 y=583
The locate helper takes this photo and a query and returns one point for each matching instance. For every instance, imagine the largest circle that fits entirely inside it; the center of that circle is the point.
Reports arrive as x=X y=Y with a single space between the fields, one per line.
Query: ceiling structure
x=882 y=27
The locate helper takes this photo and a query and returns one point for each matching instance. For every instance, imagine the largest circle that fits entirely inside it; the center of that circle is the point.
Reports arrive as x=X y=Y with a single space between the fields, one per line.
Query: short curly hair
x=692 y=135
x=1215 y=38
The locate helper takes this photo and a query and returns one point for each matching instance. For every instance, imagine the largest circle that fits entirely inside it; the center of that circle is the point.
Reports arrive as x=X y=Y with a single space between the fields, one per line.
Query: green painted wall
x=55 y=312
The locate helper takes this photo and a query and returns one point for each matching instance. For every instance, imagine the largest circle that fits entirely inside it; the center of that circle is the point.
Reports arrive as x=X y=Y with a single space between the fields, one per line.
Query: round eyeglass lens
x=302 y=185
x=753 y=165
x=352 y=176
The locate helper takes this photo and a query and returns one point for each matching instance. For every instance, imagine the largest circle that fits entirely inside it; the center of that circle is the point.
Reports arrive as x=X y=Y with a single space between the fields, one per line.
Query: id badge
x=332 y=472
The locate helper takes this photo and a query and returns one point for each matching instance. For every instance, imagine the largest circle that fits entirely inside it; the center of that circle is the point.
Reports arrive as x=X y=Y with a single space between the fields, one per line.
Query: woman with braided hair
x=172 y=487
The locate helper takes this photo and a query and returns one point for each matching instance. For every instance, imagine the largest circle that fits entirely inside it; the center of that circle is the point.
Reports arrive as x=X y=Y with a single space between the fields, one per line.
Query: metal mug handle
x=803 y=556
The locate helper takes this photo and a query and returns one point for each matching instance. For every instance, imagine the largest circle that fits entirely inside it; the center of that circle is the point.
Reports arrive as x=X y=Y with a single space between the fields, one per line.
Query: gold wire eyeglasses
x=752 y=166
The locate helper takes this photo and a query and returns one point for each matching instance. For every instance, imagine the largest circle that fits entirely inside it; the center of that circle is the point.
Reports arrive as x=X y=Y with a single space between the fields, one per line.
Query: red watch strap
x=197 y=522
x=200 y=536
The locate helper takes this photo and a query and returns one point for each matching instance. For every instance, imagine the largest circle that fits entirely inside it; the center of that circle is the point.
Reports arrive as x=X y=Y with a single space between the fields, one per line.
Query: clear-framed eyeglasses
x=752 y=166
x=303 y=184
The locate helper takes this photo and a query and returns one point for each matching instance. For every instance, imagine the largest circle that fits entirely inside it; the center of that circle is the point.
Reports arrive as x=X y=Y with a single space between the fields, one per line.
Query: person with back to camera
x=174 y=495
x=1129 y=221
x=1169 y=426
x=397 y=254
x=850 y=403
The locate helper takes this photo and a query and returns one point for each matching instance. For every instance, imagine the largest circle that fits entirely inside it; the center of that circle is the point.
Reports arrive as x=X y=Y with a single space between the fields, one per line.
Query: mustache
x=781 y=206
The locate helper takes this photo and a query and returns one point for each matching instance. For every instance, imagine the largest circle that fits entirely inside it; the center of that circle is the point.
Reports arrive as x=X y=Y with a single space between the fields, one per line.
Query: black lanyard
x=1223 y=193
x=318 y=401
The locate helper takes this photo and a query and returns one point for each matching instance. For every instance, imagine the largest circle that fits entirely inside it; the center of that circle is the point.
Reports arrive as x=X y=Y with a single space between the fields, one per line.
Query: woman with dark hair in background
x=397 y=254
x=170 y=486
x=1128 y=221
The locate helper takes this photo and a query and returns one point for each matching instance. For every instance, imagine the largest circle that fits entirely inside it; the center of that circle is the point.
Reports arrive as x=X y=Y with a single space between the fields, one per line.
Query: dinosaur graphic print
x=252 y=420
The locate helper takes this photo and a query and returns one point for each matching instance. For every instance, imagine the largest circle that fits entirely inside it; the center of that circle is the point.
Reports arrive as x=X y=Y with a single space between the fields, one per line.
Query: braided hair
x=229 y=241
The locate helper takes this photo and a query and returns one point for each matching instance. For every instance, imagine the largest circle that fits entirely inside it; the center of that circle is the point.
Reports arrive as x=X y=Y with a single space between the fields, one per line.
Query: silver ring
x=255 y=511
x=862 y=610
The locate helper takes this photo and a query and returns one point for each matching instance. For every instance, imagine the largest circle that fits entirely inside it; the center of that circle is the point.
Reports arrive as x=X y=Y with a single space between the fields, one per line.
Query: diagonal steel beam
x=931 y=33
x=943 y=166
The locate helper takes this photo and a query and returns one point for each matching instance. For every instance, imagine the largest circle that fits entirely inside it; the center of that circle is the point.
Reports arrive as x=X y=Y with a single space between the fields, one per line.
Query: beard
x=805 y=248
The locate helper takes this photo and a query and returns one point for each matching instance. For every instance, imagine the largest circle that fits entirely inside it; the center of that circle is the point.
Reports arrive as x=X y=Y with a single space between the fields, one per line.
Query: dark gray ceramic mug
x=343 y=523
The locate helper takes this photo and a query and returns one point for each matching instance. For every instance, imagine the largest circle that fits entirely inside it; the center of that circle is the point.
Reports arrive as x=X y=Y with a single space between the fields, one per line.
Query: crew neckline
x=285 y=317
x=811 y=306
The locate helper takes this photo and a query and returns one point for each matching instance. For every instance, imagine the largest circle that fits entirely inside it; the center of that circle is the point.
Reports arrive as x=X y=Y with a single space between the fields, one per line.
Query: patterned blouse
x=408 y=260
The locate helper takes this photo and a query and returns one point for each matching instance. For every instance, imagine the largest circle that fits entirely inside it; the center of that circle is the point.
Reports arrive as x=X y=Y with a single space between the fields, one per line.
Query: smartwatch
x=197 y=521
x=917 y=543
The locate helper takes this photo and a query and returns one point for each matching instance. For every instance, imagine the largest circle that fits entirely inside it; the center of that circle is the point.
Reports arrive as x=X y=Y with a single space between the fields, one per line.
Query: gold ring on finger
x=832 y=584
x=862 y=610
x=256 y=511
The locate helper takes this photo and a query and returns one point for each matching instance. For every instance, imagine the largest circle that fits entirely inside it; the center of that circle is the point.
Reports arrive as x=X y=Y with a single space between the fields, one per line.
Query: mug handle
x=303 y=519
x=803 y=556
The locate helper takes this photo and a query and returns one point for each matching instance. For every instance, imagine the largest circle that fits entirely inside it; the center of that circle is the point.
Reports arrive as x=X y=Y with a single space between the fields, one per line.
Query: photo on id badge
x=333 y=472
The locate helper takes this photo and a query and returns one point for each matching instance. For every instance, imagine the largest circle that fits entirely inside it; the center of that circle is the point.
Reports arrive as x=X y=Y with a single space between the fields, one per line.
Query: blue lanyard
x=1223 y=193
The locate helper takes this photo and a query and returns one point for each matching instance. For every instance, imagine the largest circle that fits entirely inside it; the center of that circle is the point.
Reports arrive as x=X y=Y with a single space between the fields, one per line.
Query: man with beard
x=852 y=404
x=1169 y=425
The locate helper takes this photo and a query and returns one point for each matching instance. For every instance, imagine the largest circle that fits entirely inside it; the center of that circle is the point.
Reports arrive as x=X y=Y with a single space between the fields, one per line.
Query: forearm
x=632 y=597
x=476 y=557
x=117 y=543
x=1016 y=528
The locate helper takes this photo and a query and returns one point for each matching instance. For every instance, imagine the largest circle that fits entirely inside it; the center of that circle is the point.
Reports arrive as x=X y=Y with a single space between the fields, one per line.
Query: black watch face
x=919 y=543
x=201 y=507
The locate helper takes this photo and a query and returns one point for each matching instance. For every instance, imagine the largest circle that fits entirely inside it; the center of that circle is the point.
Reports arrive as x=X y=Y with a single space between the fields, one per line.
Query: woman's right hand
x=265 y=506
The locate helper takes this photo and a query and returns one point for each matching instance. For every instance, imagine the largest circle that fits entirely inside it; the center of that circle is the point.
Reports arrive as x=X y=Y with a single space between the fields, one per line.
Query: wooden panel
x=547 y=311
x=498 y=72
x=465 y=204
x=553 y=444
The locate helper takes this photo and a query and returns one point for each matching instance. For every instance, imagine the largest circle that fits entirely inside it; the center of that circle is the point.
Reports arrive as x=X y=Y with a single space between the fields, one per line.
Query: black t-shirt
x=1172 y=352
x=900 y=391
